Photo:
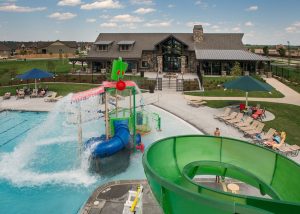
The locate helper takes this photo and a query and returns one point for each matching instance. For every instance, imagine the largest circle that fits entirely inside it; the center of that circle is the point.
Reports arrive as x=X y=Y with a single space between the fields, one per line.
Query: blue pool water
x=41 y=170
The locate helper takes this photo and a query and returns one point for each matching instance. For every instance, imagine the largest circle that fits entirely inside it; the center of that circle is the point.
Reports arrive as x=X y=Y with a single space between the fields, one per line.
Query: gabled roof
x=171 y=36
x=148 y=42
x=70 y=44
x=143 y=42
x=239 y=55
x=124 y=42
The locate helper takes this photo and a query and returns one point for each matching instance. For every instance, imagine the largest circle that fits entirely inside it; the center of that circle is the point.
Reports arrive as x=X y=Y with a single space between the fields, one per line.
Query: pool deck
x=110 y=198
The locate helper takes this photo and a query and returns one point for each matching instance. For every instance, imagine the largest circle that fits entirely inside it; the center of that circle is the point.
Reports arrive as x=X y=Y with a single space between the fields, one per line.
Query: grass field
x=286 y=117
x=61 y=88
x=9 y=69
x=235 y=93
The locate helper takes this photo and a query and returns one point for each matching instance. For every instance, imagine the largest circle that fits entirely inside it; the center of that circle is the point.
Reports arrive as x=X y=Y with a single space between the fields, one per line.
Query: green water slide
x=171 y=164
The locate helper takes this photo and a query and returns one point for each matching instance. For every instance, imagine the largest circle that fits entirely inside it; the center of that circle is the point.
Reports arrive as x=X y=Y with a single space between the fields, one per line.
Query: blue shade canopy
x=34 y=74
x=247 y=83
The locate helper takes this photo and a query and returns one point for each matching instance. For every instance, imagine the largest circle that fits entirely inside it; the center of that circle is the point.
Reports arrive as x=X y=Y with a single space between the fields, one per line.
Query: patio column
x=159 y=64
x=211 y=69
x=183 y=64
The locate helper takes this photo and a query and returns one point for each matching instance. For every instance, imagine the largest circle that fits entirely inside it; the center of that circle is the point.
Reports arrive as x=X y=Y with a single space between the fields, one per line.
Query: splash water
x=31 y=164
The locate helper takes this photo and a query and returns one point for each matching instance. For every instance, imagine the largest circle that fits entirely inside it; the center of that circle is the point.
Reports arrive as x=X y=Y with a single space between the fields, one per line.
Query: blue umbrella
x=34 y=74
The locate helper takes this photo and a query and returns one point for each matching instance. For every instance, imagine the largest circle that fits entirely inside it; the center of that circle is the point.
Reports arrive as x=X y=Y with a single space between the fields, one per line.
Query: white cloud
x=236 y=29
x=157 y=23
x=249 y=24
x=57 y=31
x=62 y=16
x=171 y=5
x=109 y=24
x=144 y=10
x=146 y=2
x=102 y=4
x=202 y=4
x=20 y=9
x=91 y=20
x=69 y=2
x=191 y=24
x=215 y=27
x=252 y=8
x=126 y=18
x=104 y=16
x=293 y=28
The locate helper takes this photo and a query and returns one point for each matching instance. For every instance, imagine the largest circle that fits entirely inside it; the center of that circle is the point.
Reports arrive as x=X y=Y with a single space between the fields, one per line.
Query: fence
x=286 y=72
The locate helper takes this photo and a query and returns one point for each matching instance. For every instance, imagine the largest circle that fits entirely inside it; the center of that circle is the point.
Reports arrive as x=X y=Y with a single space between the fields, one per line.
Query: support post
x=116 y=102
x=79 y=121
x=130 y=104
x=134 y=114
x=106 y=115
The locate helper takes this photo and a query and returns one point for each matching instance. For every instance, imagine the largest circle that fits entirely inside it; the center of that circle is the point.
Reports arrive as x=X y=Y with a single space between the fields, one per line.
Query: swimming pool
x=41 y=170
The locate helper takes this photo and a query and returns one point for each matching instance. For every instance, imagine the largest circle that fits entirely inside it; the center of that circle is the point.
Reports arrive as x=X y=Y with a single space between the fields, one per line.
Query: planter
x=269 y=74
x=151 y=89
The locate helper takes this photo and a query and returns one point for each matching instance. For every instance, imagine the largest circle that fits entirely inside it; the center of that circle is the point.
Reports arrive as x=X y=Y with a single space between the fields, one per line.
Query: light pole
x=289 y=56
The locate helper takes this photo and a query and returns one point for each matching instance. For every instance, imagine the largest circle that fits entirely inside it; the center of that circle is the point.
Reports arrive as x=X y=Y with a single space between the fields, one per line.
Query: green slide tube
x=171 y=163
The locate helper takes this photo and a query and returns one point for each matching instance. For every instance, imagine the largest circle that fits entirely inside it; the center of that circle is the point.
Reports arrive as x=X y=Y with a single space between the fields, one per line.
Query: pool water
x=41 y=168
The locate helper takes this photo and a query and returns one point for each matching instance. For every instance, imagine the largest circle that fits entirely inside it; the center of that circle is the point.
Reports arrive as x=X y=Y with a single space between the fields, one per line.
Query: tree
x=266 y=50
x=252 y=50
x=236 y=69
x=282 y=52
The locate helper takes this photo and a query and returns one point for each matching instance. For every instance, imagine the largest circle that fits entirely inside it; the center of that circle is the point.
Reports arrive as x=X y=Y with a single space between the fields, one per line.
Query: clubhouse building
x=205 y=53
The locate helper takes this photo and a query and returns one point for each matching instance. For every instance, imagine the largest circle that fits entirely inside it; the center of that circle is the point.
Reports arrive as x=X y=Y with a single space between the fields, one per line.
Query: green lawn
x=61 y=88
x=287 y=117
x=9 y=69
x=235 y=93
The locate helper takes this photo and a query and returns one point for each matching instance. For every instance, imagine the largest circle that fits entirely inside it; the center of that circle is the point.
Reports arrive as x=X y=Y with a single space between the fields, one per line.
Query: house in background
x=204 y=53
x=56 y=47
x=5 y=51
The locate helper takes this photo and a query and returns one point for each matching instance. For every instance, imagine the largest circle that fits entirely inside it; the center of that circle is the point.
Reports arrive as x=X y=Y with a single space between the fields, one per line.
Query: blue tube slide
x=107 y=148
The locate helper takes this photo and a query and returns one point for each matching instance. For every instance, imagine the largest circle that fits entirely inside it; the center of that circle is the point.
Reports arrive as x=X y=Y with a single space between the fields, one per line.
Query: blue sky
x=262 y=21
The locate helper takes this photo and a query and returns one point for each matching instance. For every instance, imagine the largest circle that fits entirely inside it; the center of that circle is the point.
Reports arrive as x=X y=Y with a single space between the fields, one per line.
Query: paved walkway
x=290 y=96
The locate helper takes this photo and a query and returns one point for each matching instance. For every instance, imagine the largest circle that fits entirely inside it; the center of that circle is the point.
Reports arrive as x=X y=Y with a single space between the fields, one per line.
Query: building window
x=124 y=47
x=103 y=47
x=145 y=64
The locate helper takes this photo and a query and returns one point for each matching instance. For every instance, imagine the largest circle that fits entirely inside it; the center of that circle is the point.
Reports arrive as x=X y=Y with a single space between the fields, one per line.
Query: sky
x=261 y=21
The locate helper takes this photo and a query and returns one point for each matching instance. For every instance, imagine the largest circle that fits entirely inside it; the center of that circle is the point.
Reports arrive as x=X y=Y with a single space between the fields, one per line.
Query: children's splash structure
x=123 y=126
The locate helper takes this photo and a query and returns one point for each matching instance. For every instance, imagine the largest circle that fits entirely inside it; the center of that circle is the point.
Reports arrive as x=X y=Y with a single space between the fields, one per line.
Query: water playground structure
x=124 y=126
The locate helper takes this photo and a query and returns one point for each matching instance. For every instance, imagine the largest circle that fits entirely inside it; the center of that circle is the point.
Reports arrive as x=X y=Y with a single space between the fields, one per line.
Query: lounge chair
x=245 y=122
x=285 y=148
x=6 y=95
x=250 y=127
x=34 y=93
x=230 y=117
x=237 y=119
x=225 y=113
x=265 y=136
x=51 y=97
x=21 y=94
x=258 y=130
x=196 y=103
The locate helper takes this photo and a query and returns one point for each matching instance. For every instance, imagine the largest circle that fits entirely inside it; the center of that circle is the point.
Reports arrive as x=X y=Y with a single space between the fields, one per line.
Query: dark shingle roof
x=143 y=41
x=148 y=41
x=70 y=44
x=240 y=55
x=221 y=41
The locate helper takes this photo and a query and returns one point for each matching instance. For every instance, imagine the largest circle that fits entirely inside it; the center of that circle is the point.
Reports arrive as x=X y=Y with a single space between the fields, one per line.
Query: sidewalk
x=290 y=96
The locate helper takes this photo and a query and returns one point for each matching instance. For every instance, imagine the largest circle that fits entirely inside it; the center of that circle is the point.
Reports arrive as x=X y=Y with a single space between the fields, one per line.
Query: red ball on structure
x=121 y=85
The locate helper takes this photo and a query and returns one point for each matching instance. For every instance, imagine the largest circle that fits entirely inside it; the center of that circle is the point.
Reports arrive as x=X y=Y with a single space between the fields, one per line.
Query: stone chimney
x=198 y=33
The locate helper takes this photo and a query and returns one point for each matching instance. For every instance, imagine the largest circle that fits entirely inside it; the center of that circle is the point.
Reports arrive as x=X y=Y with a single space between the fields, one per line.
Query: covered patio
x=220 y=62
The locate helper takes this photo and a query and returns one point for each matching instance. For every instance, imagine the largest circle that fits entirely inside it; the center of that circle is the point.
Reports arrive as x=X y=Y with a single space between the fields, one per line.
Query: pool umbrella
x=34 y=74
x=247 y=83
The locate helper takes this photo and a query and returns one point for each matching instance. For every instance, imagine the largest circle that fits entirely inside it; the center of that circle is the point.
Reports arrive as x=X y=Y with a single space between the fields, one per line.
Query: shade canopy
x=247 y=83
x=35 y=74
